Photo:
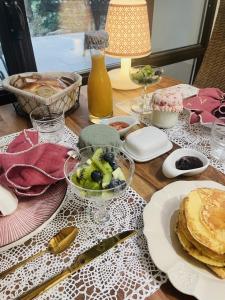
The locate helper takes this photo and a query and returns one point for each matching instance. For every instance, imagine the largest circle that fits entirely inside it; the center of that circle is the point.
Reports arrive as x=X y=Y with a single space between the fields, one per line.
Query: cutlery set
x=59 y=243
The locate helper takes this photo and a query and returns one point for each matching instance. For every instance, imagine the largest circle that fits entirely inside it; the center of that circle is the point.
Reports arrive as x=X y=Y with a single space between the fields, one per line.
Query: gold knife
x=82 y=260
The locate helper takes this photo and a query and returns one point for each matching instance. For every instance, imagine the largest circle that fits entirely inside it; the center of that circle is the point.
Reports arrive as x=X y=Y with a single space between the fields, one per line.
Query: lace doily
x=124 y=272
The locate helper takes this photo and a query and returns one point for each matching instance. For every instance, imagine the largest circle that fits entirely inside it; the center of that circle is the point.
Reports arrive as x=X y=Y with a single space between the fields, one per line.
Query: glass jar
x=100 y=103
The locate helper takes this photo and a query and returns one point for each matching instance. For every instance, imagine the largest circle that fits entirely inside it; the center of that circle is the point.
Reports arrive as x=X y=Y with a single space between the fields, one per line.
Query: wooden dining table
x=148 y=176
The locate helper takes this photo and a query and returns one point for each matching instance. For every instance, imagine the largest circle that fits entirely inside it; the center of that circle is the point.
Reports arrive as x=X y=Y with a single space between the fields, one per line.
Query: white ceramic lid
x=145 y=141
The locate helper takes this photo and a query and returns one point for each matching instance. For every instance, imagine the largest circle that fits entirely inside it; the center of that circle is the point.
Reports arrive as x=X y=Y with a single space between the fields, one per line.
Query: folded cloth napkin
x=29 y=167
x=207 y=106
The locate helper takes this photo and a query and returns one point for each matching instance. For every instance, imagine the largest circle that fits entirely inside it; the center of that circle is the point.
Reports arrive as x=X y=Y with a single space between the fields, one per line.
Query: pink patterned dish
x=31 y=216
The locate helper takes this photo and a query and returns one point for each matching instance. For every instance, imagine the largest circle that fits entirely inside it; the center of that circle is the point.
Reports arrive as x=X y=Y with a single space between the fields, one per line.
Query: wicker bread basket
x=60 y=101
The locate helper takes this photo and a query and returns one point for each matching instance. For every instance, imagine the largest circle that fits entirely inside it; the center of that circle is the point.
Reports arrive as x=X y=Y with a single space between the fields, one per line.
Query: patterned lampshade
x=128 y=27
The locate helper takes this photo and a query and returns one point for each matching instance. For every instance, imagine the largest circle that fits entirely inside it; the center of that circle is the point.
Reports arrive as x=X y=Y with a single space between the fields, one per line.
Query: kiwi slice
x=106 y=180
x=92 y=185
x=118 y=174
x=79 y=172
x=100 y=162
x=75 y=179
x=87 y=170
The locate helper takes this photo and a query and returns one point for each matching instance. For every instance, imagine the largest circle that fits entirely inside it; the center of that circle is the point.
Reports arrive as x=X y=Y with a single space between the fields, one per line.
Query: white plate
x=167 y=147
x=185 y=273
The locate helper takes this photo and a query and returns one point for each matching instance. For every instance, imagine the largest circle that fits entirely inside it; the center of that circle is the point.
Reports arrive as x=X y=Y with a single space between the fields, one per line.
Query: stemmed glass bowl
x=144 y=75
x=98 y=200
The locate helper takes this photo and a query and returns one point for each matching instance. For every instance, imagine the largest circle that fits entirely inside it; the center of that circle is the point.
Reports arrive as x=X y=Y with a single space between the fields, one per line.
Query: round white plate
x=185 y=273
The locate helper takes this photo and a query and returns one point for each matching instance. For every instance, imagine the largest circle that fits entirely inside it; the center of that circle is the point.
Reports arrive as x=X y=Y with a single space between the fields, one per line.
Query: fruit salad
x=99 y=172
x=145 y=75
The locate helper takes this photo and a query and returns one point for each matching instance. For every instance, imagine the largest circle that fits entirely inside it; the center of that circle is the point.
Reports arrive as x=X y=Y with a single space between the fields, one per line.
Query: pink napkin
x=29 y=167
x=207 y=106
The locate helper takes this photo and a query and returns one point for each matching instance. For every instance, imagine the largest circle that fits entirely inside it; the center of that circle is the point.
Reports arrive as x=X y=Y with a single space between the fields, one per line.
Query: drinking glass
x=98 y=200
x=49 y=123
x=218 y=140
x=144 y=75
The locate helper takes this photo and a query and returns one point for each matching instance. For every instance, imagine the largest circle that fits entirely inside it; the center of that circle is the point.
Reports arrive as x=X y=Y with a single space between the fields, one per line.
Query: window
x=3 y=68
x=57 y=29
x=171 y=29
x=181 y=70
x=47 y=35
x=180 y=32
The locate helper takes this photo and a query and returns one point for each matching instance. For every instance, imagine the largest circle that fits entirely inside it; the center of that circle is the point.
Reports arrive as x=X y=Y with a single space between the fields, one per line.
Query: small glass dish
x=116 y=121
x=98 y=199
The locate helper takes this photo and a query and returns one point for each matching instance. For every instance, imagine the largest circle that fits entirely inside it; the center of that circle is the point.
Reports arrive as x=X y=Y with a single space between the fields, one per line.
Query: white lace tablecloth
x=125 y=272
x=194 y=136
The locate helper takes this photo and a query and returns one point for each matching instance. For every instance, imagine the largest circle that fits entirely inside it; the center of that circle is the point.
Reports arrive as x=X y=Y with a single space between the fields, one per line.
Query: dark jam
x=188 y=162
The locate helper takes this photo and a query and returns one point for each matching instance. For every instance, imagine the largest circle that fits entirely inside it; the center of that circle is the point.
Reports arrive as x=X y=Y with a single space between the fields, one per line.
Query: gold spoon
x=58 y=243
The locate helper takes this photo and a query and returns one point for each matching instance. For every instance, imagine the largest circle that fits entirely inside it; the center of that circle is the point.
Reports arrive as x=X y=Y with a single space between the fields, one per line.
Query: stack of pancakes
x=201 y=227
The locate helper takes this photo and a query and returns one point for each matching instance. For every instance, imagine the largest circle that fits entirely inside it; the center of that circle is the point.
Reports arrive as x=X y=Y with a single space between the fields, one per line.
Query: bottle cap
x=96 y=40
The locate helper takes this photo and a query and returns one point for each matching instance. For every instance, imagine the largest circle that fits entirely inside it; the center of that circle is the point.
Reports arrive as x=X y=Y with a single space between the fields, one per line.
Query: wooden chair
x=212 y=69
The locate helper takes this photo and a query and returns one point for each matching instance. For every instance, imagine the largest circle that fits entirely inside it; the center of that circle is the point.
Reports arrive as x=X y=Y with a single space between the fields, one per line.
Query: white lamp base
x=120 y=82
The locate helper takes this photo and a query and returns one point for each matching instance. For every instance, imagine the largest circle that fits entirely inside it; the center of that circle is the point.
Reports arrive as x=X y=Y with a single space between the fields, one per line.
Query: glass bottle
x=100 y=103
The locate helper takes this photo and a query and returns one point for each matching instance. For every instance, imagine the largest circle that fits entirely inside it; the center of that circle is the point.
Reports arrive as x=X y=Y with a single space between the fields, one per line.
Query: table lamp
x=129 y=37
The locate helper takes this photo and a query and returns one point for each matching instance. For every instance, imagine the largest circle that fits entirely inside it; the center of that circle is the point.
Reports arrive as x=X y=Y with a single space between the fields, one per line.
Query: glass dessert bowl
x=99 y=174
x=144 y=75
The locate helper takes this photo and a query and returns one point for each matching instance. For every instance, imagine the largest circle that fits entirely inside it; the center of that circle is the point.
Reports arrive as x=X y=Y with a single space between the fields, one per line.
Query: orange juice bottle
x=100 y=104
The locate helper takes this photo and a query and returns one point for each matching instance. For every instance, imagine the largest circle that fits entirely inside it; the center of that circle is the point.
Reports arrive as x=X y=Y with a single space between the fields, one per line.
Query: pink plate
x=31 y=216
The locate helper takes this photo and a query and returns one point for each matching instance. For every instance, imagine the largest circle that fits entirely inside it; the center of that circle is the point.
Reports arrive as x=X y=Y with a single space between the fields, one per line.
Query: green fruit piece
x=91 y=185
x=118 y=174
x=87 y=170
x=106 y=180
x=75 y=179
x=89 y=162
x=79 y=172
x=100 y=163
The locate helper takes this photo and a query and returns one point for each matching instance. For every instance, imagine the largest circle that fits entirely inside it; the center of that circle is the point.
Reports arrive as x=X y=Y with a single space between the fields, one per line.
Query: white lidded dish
x=146 y=143
x=131 y=121
x=169 y=166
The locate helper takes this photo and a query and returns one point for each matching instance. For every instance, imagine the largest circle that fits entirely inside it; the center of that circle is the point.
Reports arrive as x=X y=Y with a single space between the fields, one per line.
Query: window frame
x=19 y=55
